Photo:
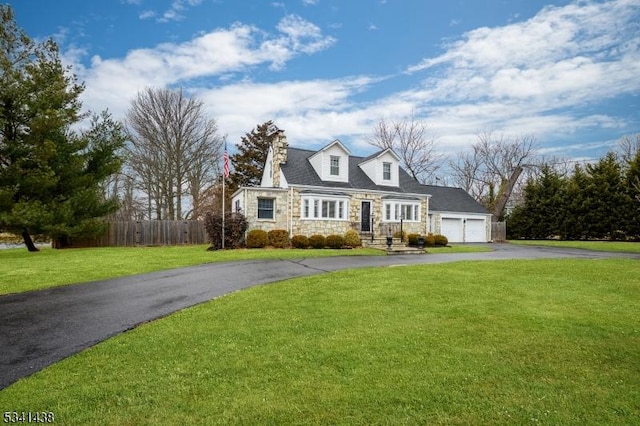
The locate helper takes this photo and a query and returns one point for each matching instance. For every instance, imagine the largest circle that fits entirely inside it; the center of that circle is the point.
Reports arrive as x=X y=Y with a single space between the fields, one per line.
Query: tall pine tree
x=248 y=163
x=538 y=217
x=632 y=185
x=49 y=176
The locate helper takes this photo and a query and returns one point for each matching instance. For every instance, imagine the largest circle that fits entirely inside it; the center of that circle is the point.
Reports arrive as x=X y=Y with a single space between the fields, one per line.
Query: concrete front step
x=397 y=247
x=381 y=242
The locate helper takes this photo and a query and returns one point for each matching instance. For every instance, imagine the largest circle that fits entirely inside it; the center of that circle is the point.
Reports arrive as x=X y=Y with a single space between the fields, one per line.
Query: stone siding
x=280 y=220
x=288 y=212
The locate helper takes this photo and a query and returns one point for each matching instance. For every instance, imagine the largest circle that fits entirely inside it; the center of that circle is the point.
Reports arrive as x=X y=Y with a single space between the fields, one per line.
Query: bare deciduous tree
x=628 y=147
x=412 y=141
x=491 y=170
x=174 y=150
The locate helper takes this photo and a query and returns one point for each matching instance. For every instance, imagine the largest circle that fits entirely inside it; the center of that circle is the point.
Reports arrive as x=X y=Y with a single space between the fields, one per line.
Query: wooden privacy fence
x=149 y=233
x=499 y=231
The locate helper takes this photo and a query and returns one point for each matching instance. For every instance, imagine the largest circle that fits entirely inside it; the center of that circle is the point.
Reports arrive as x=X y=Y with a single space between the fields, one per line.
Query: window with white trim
x=266 y=208
x=334 y=163
x=408 y=211
x=324 y=207
x=386 y=171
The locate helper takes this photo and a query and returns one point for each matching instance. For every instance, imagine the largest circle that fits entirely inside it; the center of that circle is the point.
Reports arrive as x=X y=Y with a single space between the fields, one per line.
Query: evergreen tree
x=607 y=201
x=248 y=162
x=572 y=223
x=632 y=186
x=49 y=176
x=538 y=217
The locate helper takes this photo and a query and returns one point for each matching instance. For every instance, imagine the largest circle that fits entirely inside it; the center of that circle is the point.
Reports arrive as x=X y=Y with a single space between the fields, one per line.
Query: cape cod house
x=330 y=191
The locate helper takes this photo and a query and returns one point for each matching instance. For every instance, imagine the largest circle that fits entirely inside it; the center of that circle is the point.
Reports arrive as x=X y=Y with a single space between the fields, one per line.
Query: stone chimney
x=280 y=146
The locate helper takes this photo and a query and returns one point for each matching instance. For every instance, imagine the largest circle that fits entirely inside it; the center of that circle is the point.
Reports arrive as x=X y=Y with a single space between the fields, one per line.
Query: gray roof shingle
x=299 y=171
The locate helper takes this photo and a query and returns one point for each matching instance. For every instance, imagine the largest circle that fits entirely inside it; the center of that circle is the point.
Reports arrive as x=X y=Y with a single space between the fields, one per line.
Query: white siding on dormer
x=316 y=162
x=267 y=173
x=335 y=151
x=321 y=162
x=374 y=169
x=283 y=180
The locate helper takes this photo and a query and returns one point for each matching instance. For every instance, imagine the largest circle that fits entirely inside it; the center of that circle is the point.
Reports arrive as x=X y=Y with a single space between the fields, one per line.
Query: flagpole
x=223 y=198
x=224 y=165
x=225 y=175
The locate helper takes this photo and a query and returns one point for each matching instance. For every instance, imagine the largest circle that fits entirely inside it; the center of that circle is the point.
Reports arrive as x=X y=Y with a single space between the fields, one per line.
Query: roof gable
x=380 y=154
x=383 y=167
x=335 y=143
x=331 y=163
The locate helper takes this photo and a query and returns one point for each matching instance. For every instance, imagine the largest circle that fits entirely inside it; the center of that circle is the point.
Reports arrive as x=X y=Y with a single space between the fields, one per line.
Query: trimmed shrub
x=235 y=225
x=300 y=241
x=618 y=236
x=412 y=239
x=317 y=241
x=441 y=240
x=335 y=241
x=257 y=238
x=278 y=238
x=402 y=235
x=430 y=240
x=352 y=239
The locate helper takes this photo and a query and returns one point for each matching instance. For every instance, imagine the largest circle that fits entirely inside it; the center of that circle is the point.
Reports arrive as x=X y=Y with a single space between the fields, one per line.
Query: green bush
x=430 y=240
x=441 y=240
x=618 y=236
x=278 y=238
x=257 y=238
x=352 y=239
x=317 y=241
x=335 y=241
x=402 y=235
x=300 y=242
x=412 y=239
x=235 y=225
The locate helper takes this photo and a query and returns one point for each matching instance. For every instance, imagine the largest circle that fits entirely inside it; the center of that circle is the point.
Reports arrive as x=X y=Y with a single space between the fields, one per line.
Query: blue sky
x=566 y=72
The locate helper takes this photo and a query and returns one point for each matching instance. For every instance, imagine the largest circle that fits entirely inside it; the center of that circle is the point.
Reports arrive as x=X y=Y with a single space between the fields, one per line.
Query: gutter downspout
x=426 y=218
x=290 y=211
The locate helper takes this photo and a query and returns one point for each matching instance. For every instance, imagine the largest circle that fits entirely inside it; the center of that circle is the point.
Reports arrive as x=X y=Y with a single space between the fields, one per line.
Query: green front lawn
x=612 y=246
x=508 y=342
x=23 y=271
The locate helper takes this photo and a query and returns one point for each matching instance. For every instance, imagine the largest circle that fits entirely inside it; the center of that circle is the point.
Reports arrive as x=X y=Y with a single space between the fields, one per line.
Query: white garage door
x=475 y=231
x=452 y=229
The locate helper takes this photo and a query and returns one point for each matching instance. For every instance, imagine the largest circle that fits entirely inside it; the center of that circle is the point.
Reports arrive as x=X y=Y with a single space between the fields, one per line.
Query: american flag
x=225 y=161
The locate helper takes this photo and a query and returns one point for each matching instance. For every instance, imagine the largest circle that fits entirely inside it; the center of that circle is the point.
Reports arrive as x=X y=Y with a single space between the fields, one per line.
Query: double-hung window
x=266 y=208
x=386 y=171
x=334 y=163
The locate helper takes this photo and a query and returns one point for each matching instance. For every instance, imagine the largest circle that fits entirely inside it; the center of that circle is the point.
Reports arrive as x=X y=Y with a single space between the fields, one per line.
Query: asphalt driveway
x=42 y=327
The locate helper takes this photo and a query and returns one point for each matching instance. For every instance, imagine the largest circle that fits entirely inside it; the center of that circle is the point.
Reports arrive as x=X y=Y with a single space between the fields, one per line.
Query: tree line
x=593 y=201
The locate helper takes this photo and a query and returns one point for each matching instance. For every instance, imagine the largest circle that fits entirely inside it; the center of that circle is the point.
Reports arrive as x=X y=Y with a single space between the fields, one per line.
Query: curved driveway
x=41 y=327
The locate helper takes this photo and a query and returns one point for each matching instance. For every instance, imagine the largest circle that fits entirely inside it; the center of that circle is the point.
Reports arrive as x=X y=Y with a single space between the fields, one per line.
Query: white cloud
x=113 y=82
x=305 y=109
x=521 y=78
x=147 y=14
x=175 y=12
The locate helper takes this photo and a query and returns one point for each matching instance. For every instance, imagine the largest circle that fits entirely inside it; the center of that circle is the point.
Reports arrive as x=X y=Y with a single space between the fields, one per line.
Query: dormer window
x=335 y=165
x=386 y=171
x=331 y=163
